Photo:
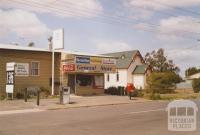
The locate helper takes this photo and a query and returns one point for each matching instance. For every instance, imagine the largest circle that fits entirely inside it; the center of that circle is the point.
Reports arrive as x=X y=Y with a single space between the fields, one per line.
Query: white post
x=52 y=80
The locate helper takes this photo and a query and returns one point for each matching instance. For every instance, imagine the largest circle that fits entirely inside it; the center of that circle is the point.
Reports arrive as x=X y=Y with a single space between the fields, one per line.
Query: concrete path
x=75 y=101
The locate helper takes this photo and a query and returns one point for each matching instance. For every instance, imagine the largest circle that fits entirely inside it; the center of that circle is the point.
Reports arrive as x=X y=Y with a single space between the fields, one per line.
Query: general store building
x=84 y=73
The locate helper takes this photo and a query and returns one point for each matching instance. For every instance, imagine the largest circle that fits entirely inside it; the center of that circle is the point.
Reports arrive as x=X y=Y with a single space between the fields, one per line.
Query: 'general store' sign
x=88 y=68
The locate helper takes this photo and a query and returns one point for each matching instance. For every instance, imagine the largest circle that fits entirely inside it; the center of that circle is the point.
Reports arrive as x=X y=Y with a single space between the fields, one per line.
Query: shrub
x=2 y=96
x=162 y=83
x=112 y=90
x=137 y=93
x=19 y=95
x=44 y=92
x=196 y=85
x=155 y=96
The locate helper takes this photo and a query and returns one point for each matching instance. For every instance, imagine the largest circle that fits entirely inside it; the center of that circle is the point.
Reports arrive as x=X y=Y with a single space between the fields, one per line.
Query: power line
x=66 y=12
x=176 y=8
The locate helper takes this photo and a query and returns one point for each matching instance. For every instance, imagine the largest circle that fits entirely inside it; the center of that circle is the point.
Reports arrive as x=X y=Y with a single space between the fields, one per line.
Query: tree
x=196 y=85
x=159 y=62
x=191 y=71
x=162 y=82
x=165 y=73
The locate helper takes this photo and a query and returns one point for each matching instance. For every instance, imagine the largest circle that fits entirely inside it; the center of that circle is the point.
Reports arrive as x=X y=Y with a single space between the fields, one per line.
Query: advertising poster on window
x=22 y=69
x=99 y=82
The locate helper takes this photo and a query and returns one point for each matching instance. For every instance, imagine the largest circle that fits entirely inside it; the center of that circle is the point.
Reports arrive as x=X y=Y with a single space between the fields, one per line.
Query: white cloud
x=185 y=57
x=176 y=27
x=112 y=46
x=22 y=23
x=63 y=8
x=179 y=24
x=145 y=8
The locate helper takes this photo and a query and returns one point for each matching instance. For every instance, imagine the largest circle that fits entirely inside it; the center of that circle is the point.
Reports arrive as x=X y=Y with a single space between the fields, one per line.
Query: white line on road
x=19 y=111
x=146 y=111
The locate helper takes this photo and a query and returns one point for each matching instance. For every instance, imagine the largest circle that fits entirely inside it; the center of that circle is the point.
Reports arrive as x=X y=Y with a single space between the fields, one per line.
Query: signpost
x=10 y=69
x=58 y=43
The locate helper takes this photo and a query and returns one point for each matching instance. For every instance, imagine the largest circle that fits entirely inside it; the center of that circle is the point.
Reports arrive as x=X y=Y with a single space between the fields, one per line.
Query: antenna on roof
x=31 y=44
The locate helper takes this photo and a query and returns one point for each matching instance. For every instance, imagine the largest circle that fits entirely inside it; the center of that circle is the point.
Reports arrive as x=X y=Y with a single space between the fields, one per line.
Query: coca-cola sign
x=68 y=67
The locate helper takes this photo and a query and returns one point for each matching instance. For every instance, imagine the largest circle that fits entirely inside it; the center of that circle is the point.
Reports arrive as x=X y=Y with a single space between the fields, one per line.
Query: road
x=148 y=118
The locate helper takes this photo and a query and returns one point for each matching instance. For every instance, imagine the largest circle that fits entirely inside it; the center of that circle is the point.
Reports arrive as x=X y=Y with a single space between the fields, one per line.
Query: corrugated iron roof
x=140 y=69
x=26 y=48
x=124 y=58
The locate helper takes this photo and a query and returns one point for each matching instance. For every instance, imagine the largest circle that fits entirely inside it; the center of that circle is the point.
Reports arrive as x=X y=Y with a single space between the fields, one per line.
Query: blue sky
x=101 y=26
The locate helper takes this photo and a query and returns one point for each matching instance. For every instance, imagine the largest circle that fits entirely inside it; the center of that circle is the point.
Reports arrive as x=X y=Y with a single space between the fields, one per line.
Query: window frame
x=108 y=77
x=31 y=73
x=117 y=77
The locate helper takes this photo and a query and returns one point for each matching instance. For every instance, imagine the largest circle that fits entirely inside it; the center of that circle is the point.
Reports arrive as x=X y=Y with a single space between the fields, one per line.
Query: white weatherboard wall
x=139 y=81
x=126 y=76
x=136 y=61
x=113 y=79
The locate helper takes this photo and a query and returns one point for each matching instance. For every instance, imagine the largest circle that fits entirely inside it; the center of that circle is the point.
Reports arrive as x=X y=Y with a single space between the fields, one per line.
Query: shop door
x=71 y=83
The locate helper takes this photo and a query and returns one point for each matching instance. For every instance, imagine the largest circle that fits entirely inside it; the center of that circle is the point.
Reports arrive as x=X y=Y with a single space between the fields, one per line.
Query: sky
x=103 y=26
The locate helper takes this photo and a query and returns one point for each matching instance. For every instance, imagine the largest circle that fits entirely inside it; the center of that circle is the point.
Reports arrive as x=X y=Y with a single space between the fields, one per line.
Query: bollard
x=25 y=95
x=38 y=98
x=61 y=96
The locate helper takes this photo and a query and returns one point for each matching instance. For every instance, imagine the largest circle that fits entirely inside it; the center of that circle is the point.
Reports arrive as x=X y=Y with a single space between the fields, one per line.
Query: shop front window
x=84 y=80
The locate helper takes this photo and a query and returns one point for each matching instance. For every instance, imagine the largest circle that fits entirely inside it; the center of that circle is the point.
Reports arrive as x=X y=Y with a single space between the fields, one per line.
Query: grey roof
x=26 y=48
x=140 y=69
x=128 y=57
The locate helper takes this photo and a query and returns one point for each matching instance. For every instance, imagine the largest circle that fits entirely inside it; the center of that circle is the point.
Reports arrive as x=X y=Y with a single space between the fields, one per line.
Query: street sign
x=10 y=69
x=58 y=39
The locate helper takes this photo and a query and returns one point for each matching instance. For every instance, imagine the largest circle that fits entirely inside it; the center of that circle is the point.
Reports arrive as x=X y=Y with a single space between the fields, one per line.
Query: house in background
x=187 y=84
x=194 y=76
x=131 y=68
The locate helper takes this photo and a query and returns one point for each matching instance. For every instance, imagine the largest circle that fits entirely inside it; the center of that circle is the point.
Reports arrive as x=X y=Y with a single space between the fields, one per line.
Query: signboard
x=10 y=69
x=58 y=39
x=109 y=61
x=86 y=68
x=69 y=67
x=82 y=60
x=95 y=60
x=88 y=64
x=10 y=66
x=95 y=68
x=22 y=69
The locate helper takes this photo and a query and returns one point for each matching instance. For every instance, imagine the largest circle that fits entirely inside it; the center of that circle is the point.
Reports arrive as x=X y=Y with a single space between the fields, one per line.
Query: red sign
x=69 y=67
